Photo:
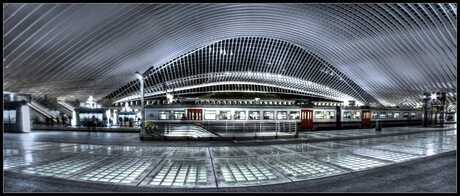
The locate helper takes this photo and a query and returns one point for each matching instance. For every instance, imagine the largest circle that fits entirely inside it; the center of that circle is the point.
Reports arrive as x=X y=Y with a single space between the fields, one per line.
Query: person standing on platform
x=88 y=123
x=126 y=121
x=104 y=120
x=110 y=121
x=94 y=121
x=52 y=121
x=130 y=122
x=58 y=121
x=120 y=121
x=63 y=120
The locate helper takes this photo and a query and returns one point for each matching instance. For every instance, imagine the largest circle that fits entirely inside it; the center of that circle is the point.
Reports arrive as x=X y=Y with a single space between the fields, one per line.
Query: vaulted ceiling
x=385 y=54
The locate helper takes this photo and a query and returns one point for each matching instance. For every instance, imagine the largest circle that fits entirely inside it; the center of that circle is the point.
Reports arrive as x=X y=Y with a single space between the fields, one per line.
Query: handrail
x=228 y=127
x=40 y=109
x=66 y=105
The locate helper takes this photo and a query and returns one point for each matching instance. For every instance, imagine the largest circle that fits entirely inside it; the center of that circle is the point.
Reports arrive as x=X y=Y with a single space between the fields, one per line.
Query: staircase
x=67 y=107
x=41 y=109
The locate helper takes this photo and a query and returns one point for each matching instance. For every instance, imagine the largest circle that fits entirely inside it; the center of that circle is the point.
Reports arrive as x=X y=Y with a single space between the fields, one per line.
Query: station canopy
x=376 y=54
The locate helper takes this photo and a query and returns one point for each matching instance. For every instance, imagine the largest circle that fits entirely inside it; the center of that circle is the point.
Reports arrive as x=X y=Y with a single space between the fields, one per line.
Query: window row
x=389 y=115
x=171 y=115
x=324 y=115
x=352 y=115
x=250 y=115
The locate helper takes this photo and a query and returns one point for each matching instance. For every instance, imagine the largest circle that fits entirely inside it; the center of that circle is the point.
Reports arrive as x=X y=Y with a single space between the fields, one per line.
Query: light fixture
x=433 y=96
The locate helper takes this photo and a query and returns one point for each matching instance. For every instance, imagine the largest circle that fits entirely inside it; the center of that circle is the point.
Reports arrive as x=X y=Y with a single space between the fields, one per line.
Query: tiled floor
x=348 y=160
x=299 y=168
x=221 y=166
x=252 y=171
x=124 y=170
x=182 y=173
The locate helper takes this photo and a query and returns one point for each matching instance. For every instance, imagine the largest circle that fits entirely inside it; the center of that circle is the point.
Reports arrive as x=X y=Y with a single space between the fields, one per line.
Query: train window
x=324 y=115
x=178 y=114
x=382 y=115
x=268 y=115
x=210 y=115
x=346 y=115
x=356 y=115
x=405 y=114
x=396 y=115
x=389 y=114
x=450 y=117
x=240 y=115
x=294 y=115
x=319 y=114
x=225 y=115
x=254 y=115
x=330 y=115
x=412 y=114
x=281 y=115
x=374 y=115
x=164 y=115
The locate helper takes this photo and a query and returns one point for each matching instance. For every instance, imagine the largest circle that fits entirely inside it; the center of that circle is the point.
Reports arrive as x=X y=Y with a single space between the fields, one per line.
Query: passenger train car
x=306 y=118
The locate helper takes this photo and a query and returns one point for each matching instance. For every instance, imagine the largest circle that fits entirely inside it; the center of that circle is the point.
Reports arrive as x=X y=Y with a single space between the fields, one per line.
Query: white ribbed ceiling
x=392 y=52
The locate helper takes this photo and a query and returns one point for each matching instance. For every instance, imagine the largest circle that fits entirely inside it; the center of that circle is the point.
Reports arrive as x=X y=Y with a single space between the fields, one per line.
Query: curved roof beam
x=251 y=59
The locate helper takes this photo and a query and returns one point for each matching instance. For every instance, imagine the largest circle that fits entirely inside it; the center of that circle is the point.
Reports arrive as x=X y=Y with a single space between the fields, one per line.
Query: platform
x=123 y=162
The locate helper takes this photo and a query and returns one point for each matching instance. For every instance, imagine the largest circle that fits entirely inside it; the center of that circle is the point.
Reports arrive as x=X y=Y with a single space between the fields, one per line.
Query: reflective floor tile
x=301 y=147
x=190 y=152
x=399 y=148
x=265 y=150
x=124 y=170
x=240 y=172
x=13 y=143
x=227 y=151
x=329 y=145
x=363 y=142
x=49 y=146
x=152 y=151
x=10 y=152
x=80 y=148
x=384 y=155
x=348 y=160
x=297 y=167
x=114 y=150
x=64 y=167
x=29 y=158
x=175 y=172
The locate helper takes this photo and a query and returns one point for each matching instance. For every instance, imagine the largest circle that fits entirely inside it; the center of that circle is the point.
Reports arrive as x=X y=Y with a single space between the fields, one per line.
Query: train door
x=366 y=119
x=195 y=114
x=306 y=119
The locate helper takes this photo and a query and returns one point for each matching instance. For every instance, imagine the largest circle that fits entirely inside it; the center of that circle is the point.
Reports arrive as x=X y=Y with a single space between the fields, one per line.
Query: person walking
x=104 y=120
x=94 y=121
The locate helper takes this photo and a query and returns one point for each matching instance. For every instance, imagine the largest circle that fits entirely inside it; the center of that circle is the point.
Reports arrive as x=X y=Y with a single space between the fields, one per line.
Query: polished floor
x=120 y=158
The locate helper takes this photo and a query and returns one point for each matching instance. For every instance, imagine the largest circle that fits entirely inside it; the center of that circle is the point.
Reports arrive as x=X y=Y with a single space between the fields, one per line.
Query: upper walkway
x=119 y=161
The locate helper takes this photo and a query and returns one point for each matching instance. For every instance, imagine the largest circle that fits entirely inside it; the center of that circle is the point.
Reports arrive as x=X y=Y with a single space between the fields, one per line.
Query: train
x=307 y=117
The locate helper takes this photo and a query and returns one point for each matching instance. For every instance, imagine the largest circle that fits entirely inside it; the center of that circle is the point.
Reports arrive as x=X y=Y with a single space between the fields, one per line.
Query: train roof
x=224 y=106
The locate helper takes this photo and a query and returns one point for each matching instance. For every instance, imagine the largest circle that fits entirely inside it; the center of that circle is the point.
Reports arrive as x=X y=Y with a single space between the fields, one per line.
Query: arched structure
x=251 y=64
x=391 y=52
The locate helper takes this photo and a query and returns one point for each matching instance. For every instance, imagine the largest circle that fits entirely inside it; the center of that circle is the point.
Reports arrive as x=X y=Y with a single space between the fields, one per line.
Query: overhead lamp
x=433 y=96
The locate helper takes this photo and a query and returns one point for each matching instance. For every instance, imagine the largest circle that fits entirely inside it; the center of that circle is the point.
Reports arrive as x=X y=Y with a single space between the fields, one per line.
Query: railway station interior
x=230 y=97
